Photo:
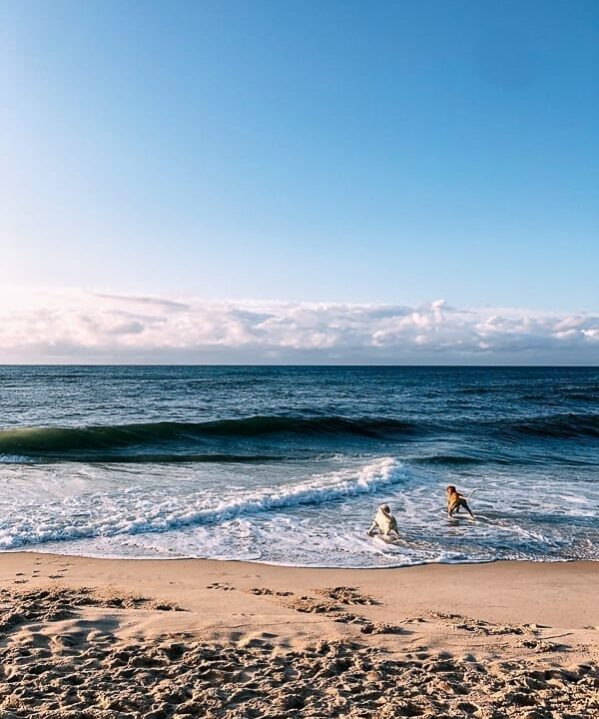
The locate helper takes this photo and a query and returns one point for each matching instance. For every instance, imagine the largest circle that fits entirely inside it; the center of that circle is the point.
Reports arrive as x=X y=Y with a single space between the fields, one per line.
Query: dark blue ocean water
x=288 y=464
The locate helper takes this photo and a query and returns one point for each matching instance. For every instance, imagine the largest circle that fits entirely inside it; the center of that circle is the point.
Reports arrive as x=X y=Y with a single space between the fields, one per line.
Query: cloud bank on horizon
x=80 y=327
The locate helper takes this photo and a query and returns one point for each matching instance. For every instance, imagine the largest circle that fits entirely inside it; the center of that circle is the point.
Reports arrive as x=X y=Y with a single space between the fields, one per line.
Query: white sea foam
x=15 y=459
x=130 y=511
x=302 y=513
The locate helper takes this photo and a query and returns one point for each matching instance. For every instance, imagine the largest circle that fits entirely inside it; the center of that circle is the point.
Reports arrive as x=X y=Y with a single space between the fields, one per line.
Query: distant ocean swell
x=564 y=426
x=68 y=442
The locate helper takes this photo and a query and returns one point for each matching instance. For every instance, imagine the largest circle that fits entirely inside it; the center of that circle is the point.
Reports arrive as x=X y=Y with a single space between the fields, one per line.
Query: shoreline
x=266 y=563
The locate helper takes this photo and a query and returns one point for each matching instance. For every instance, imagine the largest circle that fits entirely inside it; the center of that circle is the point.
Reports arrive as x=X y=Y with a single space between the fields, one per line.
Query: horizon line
x=302 y=365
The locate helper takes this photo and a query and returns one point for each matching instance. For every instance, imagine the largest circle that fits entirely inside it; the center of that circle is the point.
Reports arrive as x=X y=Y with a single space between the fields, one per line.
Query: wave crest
x=70 y=442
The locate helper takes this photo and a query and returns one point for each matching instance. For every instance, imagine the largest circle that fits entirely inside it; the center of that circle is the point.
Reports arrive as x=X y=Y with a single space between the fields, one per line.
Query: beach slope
x=184 y=638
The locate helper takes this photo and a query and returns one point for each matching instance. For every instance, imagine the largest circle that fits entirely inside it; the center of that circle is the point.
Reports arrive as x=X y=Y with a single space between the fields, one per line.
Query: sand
x=192 y=638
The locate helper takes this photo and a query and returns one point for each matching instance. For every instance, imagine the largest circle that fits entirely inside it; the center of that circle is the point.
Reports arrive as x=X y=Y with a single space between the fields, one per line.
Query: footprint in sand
x=329 y=606
x=261 y=591
x=259 y=640
x=55 y=576
x=223 y=586
x=346 y=595
x=381 y=628
x=478 y=626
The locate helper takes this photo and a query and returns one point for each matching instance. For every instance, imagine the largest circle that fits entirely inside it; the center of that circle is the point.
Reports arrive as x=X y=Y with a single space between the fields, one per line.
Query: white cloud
x=75 y=326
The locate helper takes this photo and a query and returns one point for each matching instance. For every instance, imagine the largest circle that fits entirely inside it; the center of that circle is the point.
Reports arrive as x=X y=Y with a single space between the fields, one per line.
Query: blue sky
x=339 y=152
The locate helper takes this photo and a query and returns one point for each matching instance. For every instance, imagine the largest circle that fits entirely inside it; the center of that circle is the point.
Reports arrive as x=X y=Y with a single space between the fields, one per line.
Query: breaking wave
x=139 y=512
x=79 y=442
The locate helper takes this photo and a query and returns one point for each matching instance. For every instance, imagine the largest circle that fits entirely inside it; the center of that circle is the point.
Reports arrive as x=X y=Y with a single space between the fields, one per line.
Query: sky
x=299 y=181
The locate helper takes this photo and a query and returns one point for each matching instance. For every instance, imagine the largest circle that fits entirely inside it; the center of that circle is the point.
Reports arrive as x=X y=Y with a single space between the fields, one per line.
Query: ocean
x=288 y=464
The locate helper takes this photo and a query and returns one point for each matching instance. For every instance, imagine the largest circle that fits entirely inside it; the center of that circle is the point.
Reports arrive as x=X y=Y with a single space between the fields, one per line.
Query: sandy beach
x=183 y=638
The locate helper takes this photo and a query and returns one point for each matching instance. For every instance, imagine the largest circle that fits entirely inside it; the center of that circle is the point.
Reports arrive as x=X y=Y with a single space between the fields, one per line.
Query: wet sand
x=195 y=638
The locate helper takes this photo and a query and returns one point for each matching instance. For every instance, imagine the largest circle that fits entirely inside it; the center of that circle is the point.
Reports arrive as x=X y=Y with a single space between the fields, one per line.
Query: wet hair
x=451 y=488
x=386 y=508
